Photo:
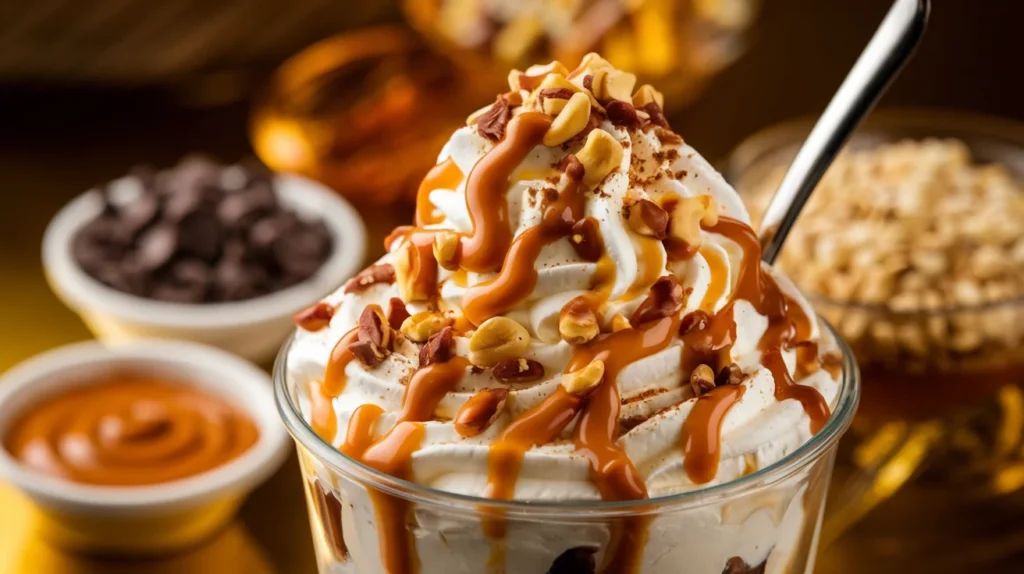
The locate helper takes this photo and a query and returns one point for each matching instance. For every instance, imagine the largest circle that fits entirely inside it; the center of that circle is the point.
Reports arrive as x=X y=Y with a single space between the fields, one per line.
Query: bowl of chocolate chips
x=219 y=254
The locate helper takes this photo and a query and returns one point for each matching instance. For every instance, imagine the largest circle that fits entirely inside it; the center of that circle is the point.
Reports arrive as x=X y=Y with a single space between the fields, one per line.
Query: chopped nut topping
x=585 y=238
x=729 y=375
x=518 y=371
x=577 y=322
x=378 y=273
x=664 y=299
x=424 y=325
x=601 y=155
x=492 y=124
x=480 y=411
x=702 y=380
x=648 y=95
x=570 y=121
x=369 y=354
x=611 y=84
x=409 y=264
x=446 y=249
x=314 y=317
x=694 y=321
x=622 y=114
x=583 y=381
x=657 y=117
x=497 y=339
x=374 y=327
x=440 y=348
x=688 y=214
x=397 y=313
x=647 y=218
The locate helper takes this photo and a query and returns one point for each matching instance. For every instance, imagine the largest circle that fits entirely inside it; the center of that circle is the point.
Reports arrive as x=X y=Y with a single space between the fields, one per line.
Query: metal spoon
x=883 y=58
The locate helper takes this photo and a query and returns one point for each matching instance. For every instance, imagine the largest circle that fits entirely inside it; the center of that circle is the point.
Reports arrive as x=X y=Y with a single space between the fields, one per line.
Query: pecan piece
x=376 y=273
x=518 y=371
x=368 y=353
x=665 y=298
x=585 y=238
x=657 y=115
x=729 y=375
x=694 y=321
x=492 y=123
x=314 y=317
x=397 y=313
x=480 y=411
x=622 y=114
x=439 y=348
x=374 y=327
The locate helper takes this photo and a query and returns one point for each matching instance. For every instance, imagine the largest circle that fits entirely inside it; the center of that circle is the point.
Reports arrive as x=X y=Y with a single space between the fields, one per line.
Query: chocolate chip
x=578 y=560
x=199 y=234
x=157 y=246
x=241 y=208
x=137 y=215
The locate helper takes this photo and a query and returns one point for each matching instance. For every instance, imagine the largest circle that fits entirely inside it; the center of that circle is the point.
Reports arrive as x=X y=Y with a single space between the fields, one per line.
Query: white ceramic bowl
x=157 y=518
x=254 y=328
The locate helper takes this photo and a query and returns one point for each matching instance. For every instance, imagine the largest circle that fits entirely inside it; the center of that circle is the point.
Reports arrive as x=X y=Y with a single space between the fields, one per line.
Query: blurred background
x=357 y=94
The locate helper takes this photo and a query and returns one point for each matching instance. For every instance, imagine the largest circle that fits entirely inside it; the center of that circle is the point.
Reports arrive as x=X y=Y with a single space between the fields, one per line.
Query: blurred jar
x=676 y=45
x=915 y=251
x=365 y=112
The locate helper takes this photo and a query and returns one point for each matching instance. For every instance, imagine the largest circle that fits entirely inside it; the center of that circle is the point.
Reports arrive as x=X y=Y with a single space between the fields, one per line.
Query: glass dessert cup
x=766 y=521
x=939 y=437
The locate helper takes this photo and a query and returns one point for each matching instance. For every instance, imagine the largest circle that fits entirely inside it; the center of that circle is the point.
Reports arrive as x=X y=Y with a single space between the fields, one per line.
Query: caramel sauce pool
x=130 y=430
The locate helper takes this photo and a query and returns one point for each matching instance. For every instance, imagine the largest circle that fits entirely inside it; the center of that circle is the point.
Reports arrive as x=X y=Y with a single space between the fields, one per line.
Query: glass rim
x=825 y=439
x=941 y=122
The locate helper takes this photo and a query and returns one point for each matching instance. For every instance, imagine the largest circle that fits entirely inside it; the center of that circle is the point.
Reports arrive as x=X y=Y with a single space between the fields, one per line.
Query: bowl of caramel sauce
x=138 y=448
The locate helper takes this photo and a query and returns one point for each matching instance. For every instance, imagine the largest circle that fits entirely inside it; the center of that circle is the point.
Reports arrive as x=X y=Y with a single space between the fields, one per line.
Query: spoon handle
x=884 y=56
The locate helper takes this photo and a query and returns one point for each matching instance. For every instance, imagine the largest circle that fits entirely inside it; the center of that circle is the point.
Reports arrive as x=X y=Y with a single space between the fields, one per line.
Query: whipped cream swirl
x=675 y=436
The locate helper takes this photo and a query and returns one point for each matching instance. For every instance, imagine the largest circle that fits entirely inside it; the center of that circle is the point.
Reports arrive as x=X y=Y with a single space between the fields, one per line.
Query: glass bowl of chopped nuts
x=913 y=246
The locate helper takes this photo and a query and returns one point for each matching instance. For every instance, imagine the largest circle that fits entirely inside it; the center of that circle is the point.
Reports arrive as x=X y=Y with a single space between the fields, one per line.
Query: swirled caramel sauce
x=130 y=430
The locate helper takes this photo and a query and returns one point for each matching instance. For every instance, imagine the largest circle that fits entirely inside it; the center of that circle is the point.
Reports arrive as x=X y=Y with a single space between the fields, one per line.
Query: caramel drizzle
x=719 y=280
x=445 y=175
x=702 y=432
x=424 y=269
x=518 y=276
x=359 y=433
x=334 y=376
x=485 y=248
x=323 y=419
x=428 y=387
x=598 y=429
x=392 y=455
x=652 y=255
x=540 y=425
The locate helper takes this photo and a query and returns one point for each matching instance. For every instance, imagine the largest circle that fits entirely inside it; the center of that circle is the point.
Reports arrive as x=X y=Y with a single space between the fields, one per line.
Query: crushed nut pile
x=911 y=227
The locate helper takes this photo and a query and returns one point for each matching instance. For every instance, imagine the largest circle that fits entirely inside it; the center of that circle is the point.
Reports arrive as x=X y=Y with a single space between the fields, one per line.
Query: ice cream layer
x=578 y=313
